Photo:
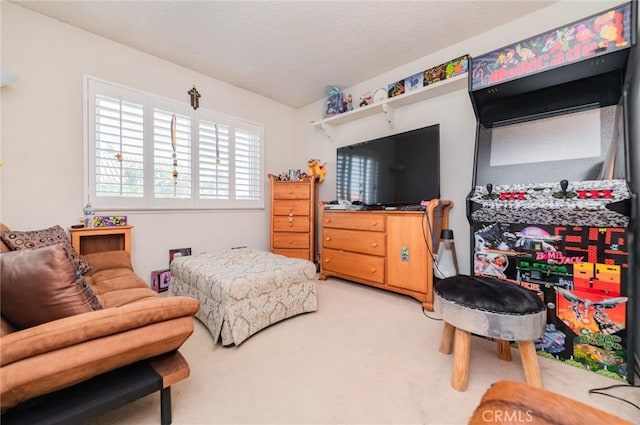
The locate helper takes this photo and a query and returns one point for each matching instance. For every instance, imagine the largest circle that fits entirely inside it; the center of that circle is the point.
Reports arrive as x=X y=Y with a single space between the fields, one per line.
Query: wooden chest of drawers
x=384 y=249
x=293 y=218
x=354 y=244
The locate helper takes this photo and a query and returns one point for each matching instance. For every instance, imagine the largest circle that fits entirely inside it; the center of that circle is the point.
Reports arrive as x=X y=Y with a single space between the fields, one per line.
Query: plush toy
x=315 y=169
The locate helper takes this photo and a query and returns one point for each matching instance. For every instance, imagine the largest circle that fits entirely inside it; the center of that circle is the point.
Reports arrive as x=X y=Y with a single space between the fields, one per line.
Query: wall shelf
x=388 y=106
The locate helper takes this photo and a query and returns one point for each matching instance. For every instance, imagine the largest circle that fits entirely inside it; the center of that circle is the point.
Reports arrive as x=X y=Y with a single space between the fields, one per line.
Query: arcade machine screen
x=550 y=207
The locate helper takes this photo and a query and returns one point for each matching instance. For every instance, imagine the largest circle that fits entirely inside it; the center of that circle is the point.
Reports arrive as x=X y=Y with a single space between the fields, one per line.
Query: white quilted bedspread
x=242 y=291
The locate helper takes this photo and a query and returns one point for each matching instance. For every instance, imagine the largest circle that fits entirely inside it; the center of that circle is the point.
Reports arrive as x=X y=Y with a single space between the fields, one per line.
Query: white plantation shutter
x=164 y=185
x=247 y=165
x=130 y=162
x=119 y=148
x=215 y=178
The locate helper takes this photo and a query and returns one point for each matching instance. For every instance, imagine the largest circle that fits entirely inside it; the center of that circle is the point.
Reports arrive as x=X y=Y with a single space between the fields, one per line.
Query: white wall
x=42 y=135
x=453 y=112
x=42 y=141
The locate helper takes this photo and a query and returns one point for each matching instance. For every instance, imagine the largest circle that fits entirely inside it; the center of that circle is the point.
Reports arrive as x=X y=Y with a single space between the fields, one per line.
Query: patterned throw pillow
x=32 y=239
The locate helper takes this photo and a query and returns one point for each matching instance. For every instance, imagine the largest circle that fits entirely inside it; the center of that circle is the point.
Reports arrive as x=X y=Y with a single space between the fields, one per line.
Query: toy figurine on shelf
x=349 y=102
x=365 y=99
x=334 y=102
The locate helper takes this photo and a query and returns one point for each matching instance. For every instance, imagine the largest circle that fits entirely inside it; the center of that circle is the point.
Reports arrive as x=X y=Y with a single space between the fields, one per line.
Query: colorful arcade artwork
x=594 y=36
x=578 y=270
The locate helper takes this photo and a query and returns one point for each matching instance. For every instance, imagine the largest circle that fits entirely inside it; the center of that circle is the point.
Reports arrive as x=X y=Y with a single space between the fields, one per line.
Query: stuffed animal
x=315 y=169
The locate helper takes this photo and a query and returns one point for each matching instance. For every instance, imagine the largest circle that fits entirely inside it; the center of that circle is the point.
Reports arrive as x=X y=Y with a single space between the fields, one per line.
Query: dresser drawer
x=291 y=240
x=292 y=191
x=291 y=224
x=293 y=253
x=362 y=266
x=286 y=207
x=354 y=220
x=354 y=240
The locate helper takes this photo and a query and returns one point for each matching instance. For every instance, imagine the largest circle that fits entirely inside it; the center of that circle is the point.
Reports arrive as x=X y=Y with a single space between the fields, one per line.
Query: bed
x=242 y=291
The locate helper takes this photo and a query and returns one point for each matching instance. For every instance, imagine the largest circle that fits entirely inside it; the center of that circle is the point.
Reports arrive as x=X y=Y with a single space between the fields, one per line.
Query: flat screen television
x=393 y=171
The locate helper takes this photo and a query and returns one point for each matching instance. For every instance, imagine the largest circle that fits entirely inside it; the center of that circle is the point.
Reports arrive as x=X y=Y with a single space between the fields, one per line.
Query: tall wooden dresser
x=293 y=218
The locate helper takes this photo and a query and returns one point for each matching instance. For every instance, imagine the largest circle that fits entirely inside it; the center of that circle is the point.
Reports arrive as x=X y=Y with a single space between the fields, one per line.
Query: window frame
x=151 y=102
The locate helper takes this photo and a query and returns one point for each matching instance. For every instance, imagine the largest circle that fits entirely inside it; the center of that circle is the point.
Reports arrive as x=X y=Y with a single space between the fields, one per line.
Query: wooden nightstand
x=99 y=239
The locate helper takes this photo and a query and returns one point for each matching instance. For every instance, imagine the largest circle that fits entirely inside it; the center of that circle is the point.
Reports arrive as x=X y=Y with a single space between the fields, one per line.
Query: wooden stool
x=491 y=308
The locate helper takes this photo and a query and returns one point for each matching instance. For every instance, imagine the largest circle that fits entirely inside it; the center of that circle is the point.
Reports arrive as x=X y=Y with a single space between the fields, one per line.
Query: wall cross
x=195 y=98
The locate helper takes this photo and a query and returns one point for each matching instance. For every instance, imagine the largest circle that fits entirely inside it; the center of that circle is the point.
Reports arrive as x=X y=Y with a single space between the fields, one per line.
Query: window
x=148 y=152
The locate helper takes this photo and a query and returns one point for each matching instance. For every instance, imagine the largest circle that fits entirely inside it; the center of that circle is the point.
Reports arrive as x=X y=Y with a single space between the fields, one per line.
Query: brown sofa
x=135 y=323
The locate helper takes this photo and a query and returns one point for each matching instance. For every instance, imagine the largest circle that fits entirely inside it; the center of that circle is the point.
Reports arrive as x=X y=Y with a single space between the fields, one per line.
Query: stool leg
x=504 y=350
x=446 y=344
x=460 y=375
x=530 y=363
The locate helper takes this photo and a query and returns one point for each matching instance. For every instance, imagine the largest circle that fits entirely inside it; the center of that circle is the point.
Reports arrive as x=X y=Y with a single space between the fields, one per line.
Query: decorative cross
x=195 y=96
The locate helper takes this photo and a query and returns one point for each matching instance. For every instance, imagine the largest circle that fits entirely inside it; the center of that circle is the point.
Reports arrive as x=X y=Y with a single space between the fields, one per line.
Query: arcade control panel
x=599 y=203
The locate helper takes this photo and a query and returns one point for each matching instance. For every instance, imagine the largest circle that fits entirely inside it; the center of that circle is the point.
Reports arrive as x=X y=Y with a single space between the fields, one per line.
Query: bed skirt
x=242 y=291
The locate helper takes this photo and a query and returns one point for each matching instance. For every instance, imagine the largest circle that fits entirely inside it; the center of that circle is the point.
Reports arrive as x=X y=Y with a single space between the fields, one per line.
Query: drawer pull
x=290 y=242
x=327 y=260
x=374 y=224
x=328 y=238
x=328 y=220
x=374 y=244
x=290 y=223
x=373 y=269
x=291 y=192
x=290 y=218
x=290 y=208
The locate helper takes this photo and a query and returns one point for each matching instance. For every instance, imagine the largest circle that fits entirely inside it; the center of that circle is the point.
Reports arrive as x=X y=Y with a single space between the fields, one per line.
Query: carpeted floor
x=366 y=356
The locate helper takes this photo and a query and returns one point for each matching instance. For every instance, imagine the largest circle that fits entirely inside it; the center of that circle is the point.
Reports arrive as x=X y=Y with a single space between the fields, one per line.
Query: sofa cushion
x=41 y=285
x=107 y=260
x=127 y=296
x=31 y=239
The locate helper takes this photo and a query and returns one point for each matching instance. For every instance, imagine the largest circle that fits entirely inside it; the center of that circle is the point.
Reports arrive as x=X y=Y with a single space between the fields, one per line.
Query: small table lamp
x=446 y=264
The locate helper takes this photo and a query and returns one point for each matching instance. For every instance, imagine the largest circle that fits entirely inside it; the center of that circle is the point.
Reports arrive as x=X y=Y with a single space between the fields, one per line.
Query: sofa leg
x=165 y=406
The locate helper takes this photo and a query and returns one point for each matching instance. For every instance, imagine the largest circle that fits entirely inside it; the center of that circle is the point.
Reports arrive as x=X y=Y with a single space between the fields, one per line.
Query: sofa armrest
x=87 y=326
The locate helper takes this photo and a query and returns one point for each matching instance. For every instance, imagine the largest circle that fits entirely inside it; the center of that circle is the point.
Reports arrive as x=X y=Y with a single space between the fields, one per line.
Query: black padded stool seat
x=489 y=294
x=492 y=308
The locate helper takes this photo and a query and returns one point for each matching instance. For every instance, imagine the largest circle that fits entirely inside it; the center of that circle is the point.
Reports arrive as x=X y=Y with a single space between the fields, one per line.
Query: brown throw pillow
x=41 y=285
x=32 y=239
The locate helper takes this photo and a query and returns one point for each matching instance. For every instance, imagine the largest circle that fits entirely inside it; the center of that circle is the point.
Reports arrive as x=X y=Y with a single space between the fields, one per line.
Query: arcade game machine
x=551 y=207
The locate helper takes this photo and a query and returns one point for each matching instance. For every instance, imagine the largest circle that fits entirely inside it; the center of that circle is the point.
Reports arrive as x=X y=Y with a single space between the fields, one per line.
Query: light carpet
x=367 y=356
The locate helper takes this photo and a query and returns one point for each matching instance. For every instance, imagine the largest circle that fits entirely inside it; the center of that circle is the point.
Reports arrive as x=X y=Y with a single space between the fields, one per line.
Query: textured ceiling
x=287 y=50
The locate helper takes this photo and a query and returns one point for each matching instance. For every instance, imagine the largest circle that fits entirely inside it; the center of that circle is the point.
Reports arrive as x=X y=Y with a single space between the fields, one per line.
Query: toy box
x=109 y=220
x=160 y=280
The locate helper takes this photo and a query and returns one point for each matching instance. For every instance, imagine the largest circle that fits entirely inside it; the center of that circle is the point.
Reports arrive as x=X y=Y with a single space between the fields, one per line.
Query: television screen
x=397 y=170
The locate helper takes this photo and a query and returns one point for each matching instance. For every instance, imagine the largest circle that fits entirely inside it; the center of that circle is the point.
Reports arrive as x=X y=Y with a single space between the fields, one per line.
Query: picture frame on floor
x=181 y=252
